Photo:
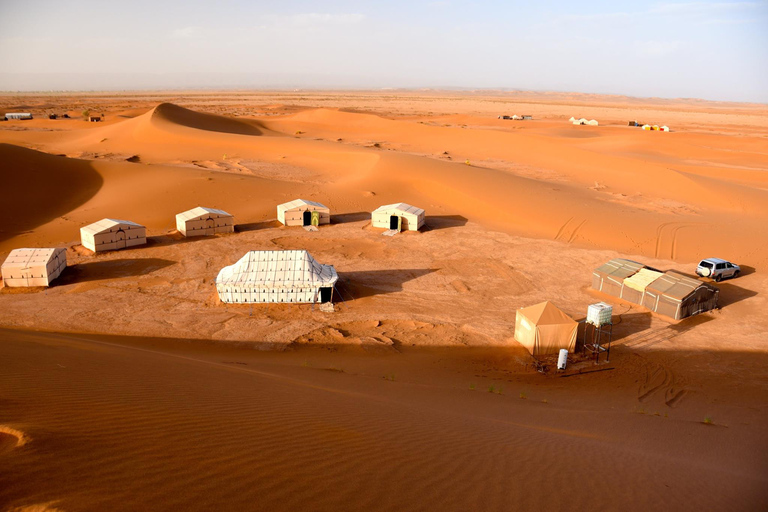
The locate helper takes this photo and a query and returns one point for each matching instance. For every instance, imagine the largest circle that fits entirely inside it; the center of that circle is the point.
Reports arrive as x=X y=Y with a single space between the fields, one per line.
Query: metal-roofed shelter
x=398 y=216
x=301 y=212
x=609 y=277
x=544 y=329
x=635 y=285
x=276 y=276
x=33 y=267
x=201 y=221
x=112 y=234
x=679 y=296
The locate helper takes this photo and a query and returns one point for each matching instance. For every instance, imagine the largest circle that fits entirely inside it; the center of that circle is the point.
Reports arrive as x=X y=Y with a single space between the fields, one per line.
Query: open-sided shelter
x=398 y=216
x=276 y=276
x=609 y=277
x=112 y=234
x=203 y=221
x=544 y=329
x=679 y=296
x=301 y=212
x=33 y=267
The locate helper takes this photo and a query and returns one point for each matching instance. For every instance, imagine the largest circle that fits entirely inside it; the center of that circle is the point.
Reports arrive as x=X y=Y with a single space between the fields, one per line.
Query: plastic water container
x=562 y=359
x=599 y=314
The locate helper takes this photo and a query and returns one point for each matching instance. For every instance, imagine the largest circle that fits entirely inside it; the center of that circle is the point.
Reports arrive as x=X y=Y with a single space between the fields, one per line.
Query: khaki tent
x=679 y=296
x=544 y=329
x=33 y=267
x=609 y=277
x=635 y=285
x=112 y=234
x=398 y=216
x=276 y=276
x=202 y=221
x=301 y=212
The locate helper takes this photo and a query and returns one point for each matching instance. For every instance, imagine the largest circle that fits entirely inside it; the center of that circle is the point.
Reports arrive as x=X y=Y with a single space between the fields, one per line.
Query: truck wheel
x=736 y=274
x=718 y=278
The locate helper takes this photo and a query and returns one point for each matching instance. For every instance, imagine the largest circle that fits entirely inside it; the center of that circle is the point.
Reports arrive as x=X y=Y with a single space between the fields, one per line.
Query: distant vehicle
x=717 y=269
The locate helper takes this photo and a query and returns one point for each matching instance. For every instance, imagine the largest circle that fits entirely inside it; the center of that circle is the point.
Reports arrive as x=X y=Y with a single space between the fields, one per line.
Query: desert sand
x=128 y=385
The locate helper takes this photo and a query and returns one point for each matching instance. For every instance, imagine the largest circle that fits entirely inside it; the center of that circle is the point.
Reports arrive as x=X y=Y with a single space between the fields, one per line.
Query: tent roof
x=620 y=268
x=546 y=313
x=23 y=258
x=107 y=224
x=278 y=268
x=401 y=207
x=642 y=279
x=300 y=202
x=201 y=211
x=676 y=286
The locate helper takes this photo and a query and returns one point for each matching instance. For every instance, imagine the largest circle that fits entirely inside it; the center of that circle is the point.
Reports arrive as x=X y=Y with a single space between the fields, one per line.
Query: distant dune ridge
x=128 y=384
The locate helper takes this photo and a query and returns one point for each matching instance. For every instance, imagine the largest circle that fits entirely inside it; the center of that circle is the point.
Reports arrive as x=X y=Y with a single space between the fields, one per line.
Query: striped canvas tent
x=33 y=267
x=112 y=234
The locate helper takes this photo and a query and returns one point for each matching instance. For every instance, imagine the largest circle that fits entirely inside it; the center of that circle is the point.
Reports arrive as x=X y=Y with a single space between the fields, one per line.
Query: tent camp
x=664 y=128
x=112 y=234
x=609 y=277
x=276 y=276
x=544 y=329
x=398 y=216
x=203 y=221
x=679 y=296
x=33 y=267
x=301 y=212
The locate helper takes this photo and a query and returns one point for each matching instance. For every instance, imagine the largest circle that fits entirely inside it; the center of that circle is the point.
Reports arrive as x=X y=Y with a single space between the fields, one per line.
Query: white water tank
x=599 y=314
x=562 y=359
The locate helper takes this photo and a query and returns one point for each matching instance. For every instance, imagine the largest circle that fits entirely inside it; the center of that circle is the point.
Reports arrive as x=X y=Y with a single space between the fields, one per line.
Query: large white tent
x=301 y=212
x=33 y=267
x=398 y=216
x=112 y=234
x=276 y=276
x=203 y=221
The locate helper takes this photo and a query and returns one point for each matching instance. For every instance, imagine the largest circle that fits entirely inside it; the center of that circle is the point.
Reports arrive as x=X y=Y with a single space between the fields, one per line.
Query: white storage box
x=599 y=314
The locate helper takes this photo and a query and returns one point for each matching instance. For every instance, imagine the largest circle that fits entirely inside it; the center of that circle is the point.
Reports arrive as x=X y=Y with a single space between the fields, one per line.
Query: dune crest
x=166 y=115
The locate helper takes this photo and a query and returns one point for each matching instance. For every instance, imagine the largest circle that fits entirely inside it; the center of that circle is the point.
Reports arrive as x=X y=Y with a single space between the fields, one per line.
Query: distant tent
x=664 y=128
x=633 y=123
x=203 y=221
x=276 y=276
x=112 y=234
x=301 y=212
x=572 y=119
x=655 y=127
x=516 y=117
x=33 y=267
x=94 y=118
x=398 y=216
x=17 y=115
x=544 y=329
x=646 y=127
x=679 y=296
x=592 y=123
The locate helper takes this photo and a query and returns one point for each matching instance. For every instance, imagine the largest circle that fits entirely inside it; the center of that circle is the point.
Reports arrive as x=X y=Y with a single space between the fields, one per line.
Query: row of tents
x=649 y=127
x=38 y=267
x=583 y=121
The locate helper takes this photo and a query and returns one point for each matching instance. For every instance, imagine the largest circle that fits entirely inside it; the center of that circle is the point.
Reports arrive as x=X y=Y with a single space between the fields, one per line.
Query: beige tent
x=202 y=221
x=33 y=267
x=112 y=234
x=276 y=276
x=544 y=329
x=301 y=212
x=679 y=296
x=592 y=123
x=399 y=216
x=609 y=277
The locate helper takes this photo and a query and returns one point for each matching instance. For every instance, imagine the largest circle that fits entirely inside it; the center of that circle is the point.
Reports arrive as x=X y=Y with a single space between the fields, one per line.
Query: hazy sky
x=712 y=50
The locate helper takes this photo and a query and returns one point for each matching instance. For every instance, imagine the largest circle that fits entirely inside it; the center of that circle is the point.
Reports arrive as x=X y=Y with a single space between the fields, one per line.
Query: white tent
x=203 y=221
x=33 y=267
x=112 y=234
x=398 y=216
x=664 y=128
x=572 y=119
x=592 y=123
x=276 y=276
x=301 y=212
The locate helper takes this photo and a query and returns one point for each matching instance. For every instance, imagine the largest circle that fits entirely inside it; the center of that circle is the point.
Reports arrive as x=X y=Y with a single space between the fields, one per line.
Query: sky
x=671 y=49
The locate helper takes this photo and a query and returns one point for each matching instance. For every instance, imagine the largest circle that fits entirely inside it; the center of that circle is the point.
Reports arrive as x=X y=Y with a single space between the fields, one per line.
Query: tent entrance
x=325 y=294
x=210 y=226
x=395 y=222
x=307 y=218
x=315 y=218
x=120 y=239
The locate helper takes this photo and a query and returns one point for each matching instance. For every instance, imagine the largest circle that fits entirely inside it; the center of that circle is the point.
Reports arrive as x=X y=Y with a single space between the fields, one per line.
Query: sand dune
x=413 y=392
